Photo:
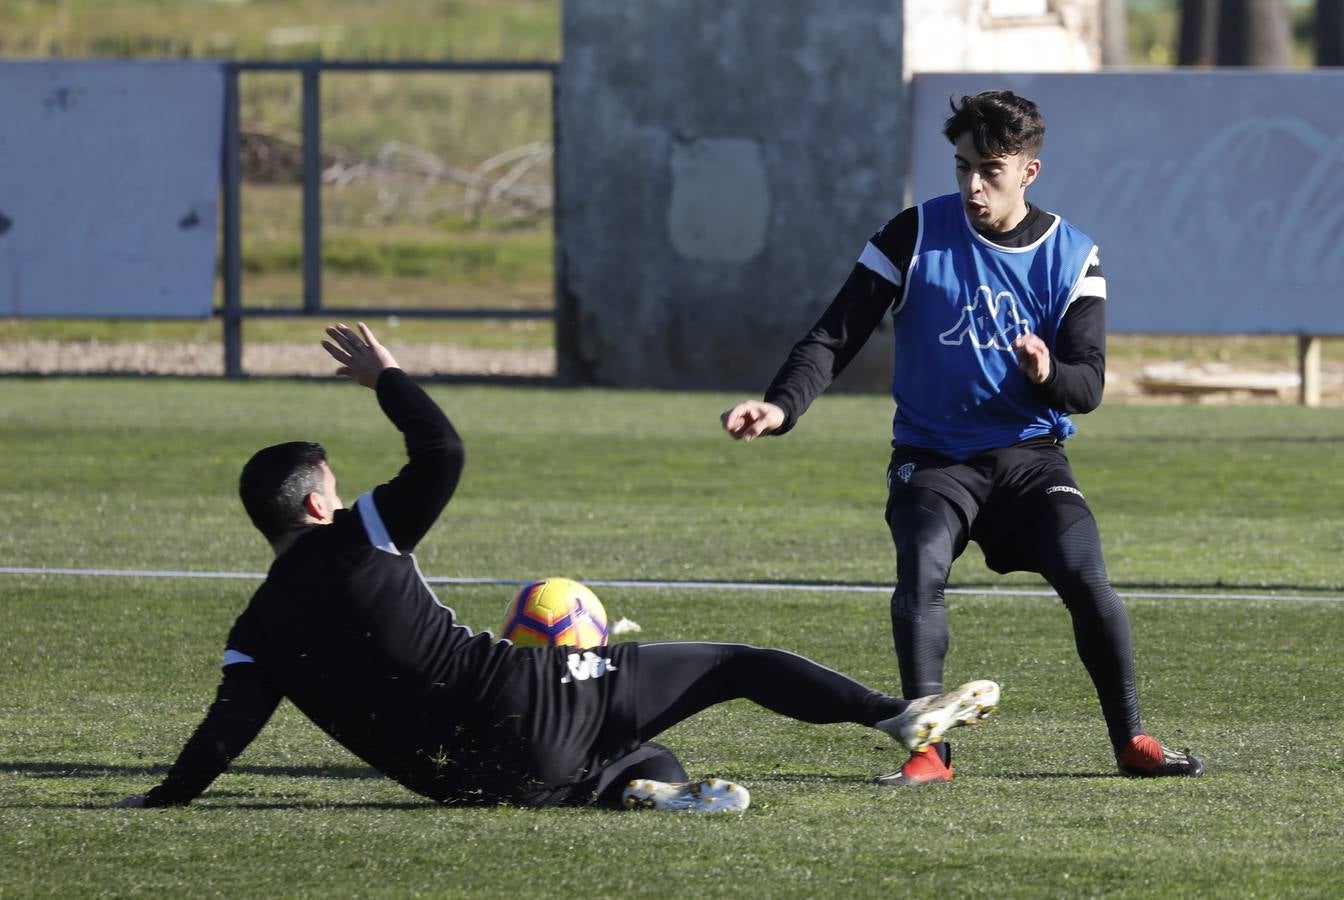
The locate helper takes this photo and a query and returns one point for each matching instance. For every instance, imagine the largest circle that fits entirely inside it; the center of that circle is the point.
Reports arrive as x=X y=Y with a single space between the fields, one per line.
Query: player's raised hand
x=751 y=419
x=360 y=355
x=1033 y=357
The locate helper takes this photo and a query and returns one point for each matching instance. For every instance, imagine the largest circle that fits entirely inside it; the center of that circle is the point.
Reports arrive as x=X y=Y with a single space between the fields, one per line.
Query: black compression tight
x=929 y=535
x=1101 y=632
x=678 y=679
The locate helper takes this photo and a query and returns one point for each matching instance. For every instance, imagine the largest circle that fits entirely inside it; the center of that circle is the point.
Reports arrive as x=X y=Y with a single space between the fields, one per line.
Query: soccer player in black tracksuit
x=346 y=628
x=998 y=313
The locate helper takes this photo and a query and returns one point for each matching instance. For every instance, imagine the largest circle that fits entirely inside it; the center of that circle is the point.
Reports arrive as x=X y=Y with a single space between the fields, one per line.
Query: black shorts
x=1014 y=501
x=561 y=718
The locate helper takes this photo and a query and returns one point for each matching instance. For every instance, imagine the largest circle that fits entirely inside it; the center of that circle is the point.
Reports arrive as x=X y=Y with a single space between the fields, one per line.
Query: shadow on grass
x=220 y=800
x=101 y=770
x=279 y=804
x=322 y=804
x=1045 y=776
x=808 y=778
x=823 y=778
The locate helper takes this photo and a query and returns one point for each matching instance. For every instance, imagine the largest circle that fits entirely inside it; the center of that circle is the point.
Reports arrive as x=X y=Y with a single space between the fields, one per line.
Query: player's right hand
x=751 y=419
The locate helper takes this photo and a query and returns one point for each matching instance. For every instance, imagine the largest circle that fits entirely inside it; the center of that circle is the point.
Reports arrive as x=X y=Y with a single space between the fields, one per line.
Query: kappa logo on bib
x=585 y=666
x=989 y=321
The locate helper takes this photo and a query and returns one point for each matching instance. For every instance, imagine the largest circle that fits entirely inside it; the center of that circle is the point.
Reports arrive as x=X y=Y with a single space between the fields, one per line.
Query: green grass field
x=103 y=678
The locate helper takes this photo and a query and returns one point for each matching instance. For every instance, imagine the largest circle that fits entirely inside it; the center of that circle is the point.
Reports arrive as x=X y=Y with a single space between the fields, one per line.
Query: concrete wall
x=721 y=166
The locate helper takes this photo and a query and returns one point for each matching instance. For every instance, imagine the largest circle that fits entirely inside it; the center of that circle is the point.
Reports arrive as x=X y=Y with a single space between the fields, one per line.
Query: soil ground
x=1130 y=378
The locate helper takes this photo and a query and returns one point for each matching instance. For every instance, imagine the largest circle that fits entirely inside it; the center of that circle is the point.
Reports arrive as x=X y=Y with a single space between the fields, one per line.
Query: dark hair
x=275 y=482
x=1000 y=122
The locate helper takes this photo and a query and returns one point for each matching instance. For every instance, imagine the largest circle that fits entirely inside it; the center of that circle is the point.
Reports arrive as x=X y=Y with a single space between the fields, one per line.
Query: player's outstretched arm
x=409 y=504
x=244 y=703
x=360 y=354
x=752 y=418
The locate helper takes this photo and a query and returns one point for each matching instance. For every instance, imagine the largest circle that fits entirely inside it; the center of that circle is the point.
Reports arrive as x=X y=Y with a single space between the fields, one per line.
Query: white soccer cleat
x=926 y=720
x=710 y=795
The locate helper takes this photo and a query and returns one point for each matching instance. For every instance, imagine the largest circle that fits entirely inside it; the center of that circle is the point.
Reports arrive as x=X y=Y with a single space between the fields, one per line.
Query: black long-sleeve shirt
x=1078 y=357
x=345 y=627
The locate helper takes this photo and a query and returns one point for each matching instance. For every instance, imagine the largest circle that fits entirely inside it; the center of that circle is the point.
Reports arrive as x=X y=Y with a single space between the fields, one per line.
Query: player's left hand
x=360 y=354
x=1033 y=357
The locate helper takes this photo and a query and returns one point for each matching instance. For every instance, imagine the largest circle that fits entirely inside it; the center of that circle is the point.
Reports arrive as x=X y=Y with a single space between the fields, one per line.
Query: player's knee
x=925 y=533
x=923 y=565
x=925 y=545
x=1085 y=598
x=922 y=573
x=740 y=664
x=917 y=603
x=1086 y=591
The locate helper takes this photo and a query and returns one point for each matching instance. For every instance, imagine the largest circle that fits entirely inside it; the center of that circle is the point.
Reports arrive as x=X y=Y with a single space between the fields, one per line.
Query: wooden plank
x=1309 y=365
x=1181 y=379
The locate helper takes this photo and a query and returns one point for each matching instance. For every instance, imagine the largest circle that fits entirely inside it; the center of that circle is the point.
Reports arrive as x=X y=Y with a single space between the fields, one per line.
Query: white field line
x=689 y=585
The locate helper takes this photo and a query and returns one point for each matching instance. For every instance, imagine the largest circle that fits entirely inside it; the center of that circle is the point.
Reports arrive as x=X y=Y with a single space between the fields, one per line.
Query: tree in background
x=1114 y=36
x=1198 y=41
x=1330 y=32
x=1255 y=33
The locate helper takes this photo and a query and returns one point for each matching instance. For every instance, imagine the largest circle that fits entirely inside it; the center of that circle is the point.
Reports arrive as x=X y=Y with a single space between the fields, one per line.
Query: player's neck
x=281 y=544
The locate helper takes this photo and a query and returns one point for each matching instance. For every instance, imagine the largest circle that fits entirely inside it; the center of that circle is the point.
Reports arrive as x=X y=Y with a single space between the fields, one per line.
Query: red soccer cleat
x=928 y=766
x=1144 y=757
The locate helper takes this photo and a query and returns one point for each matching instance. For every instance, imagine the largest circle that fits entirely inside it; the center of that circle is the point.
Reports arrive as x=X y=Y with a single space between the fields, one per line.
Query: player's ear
x=1029 y=174
x=316 y=506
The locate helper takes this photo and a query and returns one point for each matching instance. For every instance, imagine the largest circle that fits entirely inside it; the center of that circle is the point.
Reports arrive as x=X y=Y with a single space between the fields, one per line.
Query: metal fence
x=233 y=311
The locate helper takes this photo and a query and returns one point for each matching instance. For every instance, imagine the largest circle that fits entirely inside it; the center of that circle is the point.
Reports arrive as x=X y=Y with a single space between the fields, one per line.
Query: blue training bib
x=958 y=388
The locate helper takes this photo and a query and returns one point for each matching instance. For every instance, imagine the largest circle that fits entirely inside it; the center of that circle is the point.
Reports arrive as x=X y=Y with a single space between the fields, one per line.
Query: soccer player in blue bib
x=998 y=311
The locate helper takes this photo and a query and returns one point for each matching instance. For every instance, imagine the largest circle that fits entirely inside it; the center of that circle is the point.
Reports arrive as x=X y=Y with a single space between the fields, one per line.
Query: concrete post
x=723 y=166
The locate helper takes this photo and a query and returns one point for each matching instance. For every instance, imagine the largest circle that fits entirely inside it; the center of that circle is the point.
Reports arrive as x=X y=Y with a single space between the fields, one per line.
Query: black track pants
x=679 y=679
